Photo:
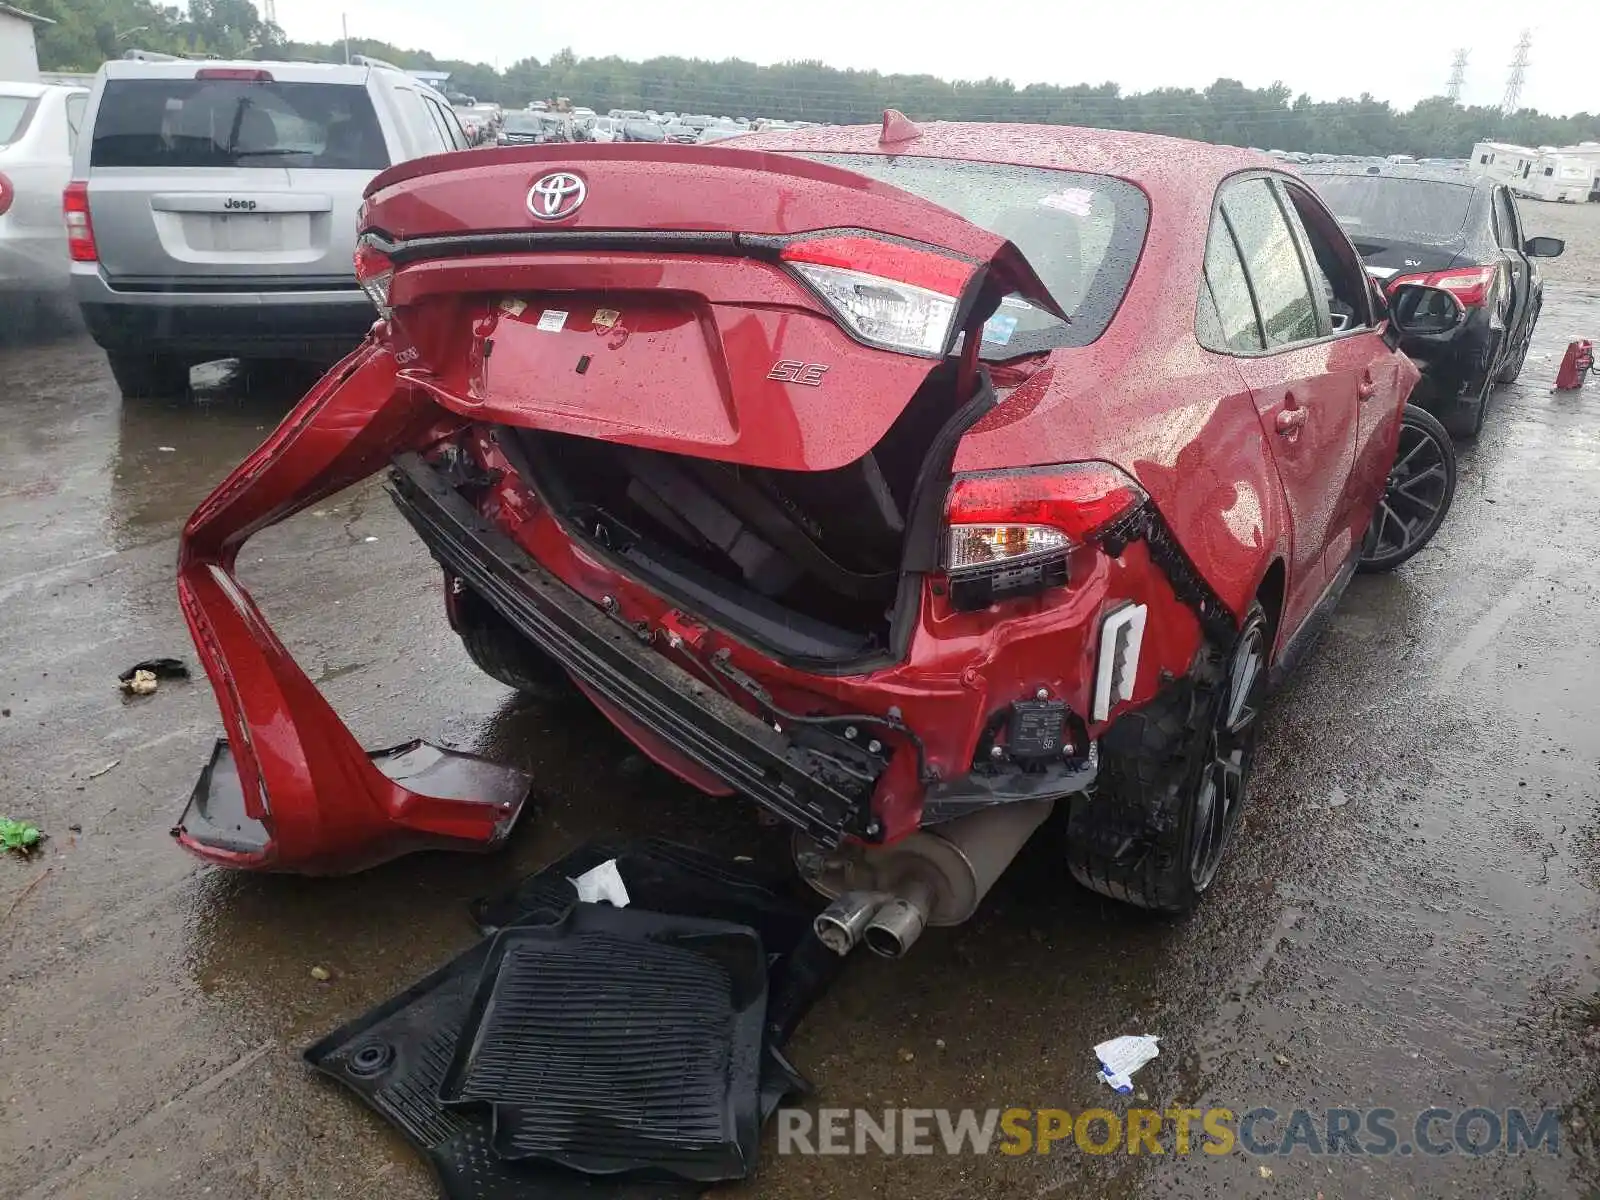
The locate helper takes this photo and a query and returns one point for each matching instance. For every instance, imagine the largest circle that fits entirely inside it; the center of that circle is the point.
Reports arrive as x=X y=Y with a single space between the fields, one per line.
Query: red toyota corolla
x=910 y=481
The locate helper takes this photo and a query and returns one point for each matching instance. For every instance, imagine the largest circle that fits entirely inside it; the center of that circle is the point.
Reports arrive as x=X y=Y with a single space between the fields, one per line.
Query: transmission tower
x=269 y=11
x=1519 y=69
x=1452 y=87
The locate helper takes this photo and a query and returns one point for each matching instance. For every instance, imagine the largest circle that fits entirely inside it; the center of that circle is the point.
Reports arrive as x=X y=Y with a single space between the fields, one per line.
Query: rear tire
x=150 y=376
x=1174 y=778
x=1422 y=484
x=507 y=657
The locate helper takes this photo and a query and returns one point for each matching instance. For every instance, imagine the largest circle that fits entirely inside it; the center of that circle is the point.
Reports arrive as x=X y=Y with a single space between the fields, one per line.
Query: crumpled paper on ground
x=1122 y=1056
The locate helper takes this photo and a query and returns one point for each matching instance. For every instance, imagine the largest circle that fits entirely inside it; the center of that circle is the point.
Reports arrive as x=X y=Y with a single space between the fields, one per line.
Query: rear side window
x=15 y=113
x=1081 y=233
x=448 y=125
x=75 y=107
x=236 y=123
x=1272 y=261
x=1507 y=230
x=420 y=114
x=1227 y=317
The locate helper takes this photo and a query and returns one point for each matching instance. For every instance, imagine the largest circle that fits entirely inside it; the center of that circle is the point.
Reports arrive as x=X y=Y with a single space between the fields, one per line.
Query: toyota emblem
x=556 y=196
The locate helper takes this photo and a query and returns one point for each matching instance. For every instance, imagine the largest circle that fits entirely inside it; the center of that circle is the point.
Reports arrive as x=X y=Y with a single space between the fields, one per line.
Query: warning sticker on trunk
x=552 y=320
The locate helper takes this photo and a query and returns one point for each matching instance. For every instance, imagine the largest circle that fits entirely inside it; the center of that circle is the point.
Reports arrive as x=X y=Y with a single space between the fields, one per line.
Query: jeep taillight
x=1470 y=285
x=1009 y=532
x=8 y=193
x=889 y=295
x=374 y=271
x=80 y=230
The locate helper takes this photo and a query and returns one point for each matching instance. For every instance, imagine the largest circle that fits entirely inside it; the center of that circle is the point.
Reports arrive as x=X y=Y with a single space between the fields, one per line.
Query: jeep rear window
x=1081 y=233
x=236 y=123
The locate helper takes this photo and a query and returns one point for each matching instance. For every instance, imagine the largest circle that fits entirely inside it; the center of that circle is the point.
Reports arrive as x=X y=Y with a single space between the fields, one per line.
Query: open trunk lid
x=709 y=301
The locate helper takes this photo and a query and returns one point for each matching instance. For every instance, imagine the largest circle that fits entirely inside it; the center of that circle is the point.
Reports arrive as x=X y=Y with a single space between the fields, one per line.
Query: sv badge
x=787 y=370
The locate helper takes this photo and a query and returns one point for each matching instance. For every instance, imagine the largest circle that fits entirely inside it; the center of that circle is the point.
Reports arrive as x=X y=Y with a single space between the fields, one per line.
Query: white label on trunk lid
x=551 y=320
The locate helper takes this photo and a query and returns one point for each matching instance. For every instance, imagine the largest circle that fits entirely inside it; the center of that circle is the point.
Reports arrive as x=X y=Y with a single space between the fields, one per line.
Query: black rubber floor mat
x=394 y=1059
x=667 y=877
x=618 y=1040
x=395 y=1056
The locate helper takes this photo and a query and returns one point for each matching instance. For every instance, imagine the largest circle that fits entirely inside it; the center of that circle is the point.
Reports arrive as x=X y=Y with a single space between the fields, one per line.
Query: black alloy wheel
x=1230 y=754
x=1417 y=496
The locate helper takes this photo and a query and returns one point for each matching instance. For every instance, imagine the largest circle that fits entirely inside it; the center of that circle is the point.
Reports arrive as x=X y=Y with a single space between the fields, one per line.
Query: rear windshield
x=1388 y=206
x=1081 y=233
x=15 y=112
x=236 y=123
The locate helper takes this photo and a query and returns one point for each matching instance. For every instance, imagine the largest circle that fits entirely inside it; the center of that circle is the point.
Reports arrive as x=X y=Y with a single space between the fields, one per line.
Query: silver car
x=212 y=208
x=39 y=125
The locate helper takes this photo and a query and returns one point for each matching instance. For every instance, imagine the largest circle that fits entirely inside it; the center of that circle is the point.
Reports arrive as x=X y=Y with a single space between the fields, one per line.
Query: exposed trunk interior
x=810 y=563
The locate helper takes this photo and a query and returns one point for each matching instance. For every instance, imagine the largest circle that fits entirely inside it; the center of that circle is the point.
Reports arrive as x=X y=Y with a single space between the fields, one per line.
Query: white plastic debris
x=1122 y=1056
x=602 y=885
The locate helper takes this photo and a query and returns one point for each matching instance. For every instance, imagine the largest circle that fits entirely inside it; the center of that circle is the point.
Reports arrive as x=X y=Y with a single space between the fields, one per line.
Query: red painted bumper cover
x=291 y=789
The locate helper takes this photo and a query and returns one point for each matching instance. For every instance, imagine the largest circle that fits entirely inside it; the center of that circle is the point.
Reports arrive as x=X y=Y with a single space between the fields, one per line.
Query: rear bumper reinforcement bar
x=606 y=658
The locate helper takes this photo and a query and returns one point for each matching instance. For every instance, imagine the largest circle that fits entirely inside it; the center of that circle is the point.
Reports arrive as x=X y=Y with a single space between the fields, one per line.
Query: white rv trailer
x=1556 y=175
x=1502 y=161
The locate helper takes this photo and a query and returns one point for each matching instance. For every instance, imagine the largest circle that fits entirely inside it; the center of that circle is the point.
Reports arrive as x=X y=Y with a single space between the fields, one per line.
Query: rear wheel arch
x=1270 y=595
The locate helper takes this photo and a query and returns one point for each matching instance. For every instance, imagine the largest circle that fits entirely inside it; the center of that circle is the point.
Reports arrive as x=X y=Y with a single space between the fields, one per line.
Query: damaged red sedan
x=913 y=482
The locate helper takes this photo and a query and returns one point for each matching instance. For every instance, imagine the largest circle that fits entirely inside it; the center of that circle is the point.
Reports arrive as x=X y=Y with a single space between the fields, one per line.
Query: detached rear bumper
x=291 y=789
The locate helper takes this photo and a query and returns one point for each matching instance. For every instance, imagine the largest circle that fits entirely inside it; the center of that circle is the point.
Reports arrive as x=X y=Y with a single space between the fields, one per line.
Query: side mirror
x=1543 y=247
x=1419 y=311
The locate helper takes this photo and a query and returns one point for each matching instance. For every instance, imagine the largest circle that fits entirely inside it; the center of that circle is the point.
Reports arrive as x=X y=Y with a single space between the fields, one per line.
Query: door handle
x=1289 y=421
x=1366 y=387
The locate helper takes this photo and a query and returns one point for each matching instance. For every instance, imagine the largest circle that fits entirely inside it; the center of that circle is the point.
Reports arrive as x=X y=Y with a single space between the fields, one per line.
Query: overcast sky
x=1398 y=51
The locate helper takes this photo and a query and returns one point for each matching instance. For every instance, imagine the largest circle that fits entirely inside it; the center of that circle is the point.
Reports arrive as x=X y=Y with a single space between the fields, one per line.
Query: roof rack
x=366 y=60
x=158 y=56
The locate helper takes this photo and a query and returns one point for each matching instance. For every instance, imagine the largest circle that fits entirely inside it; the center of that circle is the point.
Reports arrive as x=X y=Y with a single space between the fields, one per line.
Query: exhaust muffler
x=886 y=896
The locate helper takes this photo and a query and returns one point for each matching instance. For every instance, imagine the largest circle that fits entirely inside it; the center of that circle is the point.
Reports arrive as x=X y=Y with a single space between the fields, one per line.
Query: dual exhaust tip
x=888 y=923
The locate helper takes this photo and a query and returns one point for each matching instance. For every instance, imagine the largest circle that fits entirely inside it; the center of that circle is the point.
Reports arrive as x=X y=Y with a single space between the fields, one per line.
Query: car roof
x=288 y=72
x=1149 y=159
x=1420 y=171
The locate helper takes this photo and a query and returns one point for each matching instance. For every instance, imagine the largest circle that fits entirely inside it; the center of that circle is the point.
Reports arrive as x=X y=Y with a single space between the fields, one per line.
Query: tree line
x=89 y=31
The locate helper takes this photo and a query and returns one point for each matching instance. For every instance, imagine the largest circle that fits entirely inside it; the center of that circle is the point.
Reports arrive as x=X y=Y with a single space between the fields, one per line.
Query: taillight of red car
x=80 y=229
x=1470 y=285
x=1010 y=532
x=374 y=272
x=887 y=294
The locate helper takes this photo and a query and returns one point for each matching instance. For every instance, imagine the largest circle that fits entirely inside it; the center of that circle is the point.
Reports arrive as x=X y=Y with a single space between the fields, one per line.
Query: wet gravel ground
x=1408 y=918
